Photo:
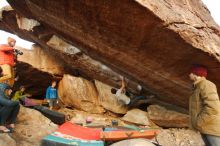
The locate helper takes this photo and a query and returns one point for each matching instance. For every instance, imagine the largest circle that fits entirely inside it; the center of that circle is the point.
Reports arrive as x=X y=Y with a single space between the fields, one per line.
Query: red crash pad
x=80 y=132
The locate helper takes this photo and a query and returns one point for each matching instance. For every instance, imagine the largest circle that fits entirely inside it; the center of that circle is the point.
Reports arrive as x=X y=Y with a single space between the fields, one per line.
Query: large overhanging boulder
x=151 y=42
x=54 y=48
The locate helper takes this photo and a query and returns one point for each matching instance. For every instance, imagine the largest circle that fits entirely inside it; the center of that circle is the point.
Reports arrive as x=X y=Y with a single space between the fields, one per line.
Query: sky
x=213 y=6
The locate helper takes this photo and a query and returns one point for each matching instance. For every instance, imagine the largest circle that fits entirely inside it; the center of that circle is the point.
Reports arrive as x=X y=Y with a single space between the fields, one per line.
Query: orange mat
x=121 y=135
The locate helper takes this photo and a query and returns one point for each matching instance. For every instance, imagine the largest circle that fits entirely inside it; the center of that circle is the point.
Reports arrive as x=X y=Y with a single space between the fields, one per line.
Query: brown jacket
x=204 y=108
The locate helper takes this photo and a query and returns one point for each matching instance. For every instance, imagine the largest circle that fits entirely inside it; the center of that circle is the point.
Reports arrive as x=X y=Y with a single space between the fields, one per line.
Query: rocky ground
x=32 y=126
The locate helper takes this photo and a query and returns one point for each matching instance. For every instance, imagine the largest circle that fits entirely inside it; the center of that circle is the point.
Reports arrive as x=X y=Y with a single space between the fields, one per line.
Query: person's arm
x=122 y=84
x=47 y=93
x=6 y=48
x=6 y=72
x=209 y=97
x=7 y=102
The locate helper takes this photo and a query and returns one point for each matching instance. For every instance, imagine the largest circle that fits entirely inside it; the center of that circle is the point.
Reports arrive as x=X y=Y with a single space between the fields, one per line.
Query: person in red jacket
x=7 y=61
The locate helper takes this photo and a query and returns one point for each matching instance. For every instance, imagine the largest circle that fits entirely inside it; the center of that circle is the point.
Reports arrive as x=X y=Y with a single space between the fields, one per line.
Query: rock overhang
x=151 y=43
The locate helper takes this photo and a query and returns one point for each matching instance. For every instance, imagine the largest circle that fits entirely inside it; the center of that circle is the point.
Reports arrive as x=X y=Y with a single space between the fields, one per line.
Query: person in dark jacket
x=8 y=109
x=51 y=94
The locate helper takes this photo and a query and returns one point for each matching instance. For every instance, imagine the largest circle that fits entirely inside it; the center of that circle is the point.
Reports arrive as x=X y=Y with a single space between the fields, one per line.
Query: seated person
x=19 y=95
x=8 y=109
x=51 y=95
x=24 y=98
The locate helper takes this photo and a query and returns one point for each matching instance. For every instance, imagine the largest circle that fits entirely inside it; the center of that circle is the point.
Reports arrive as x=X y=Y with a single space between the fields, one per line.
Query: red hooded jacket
x=6 y=55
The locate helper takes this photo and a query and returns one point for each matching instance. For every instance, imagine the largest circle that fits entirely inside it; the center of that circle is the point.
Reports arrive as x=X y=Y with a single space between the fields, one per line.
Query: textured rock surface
x=31 y=127
x=79 y=93
x=134 y=142
x=125 y=35
x=134 y=38
x=6 y=140
x=33 y=79
x=137 y=116
x=77 y=116
x=164 y=117
x=179 y=137
x=108 y=100
x=41 y=60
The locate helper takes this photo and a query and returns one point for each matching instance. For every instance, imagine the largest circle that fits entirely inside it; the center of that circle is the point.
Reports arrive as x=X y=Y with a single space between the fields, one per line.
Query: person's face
x=192 y=77
x=22 y=89
x=8 y=92
x=12 y=43
x=54 y=84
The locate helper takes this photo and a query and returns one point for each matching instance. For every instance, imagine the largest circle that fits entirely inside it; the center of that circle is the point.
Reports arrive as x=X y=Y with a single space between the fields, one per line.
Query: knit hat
x=11 y=40
x=199 y=70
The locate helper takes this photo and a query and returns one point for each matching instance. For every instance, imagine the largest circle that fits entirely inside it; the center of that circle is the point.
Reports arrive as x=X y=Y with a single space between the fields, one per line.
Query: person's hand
x=29 y=95
x=16 y=78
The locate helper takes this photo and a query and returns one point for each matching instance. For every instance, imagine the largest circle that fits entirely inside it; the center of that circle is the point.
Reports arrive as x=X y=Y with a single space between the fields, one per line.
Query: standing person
x=7 y=62
x=204 y=106
x=51 y=94
x=8 y=109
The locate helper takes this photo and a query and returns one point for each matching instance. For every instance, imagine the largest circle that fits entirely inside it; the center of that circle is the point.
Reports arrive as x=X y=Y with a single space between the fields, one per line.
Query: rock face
x=31 y=127
x=36 y=69
x=179 y=137
x=33 y=79
x=133 y=38
x=137 y=116
x=108 y=100
x=136 y=38
x=41 y=60
x=80 y=117
x=79 y=93
x=167 y=118
x=6 y=140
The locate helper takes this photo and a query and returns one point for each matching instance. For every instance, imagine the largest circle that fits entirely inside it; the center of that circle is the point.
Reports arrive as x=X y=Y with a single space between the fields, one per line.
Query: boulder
x=134 y=142
x=108 y=100
x=31 y=127
x=164 y=117
x=153 y=43
x=137 y=116
x=80 y=117
x=179 y=137
x=41 y=59
x=6 y=140
x=79 y=93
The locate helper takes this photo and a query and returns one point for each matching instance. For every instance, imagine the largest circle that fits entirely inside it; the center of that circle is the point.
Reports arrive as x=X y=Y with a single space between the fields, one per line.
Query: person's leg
x=213 y=140
x=13 y=116
x=135 y=100
x=50 y=104
x=4 y=114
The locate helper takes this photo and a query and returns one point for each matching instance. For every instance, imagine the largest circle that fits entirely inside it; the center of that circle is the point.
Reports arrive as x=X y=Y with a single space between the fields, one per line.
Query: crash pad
x=55 y=140
x=125 y=134
x=69 y=134
x=79 y=131
x=56 y=117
